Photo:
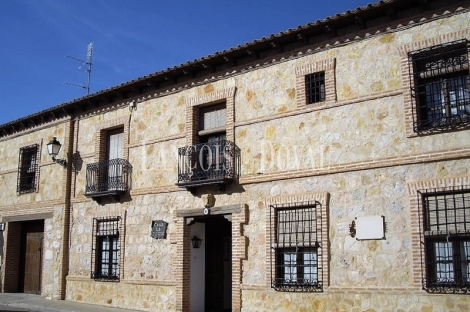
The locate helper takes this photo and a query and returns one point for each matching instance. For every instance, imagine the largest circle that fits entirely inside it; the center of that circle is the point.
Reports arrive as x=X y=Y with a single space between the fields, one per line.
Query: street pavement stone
x=19 y=302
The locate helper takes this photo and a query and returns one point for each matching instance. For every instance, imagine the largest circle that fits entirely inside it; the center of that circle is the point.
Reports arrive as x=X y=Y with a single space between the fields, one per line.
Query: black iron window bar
x=110 y=175
x=440 y=86
x=106 y=248
x=217 y=161
x=445 y=240
x=315 y=87
x=28 y=169
x=296 y=252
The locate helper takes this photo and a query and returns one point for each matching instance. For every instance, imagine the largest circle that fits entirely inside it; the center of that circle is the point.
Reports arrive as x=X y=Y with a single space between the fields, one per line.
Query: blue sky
x=131 y=38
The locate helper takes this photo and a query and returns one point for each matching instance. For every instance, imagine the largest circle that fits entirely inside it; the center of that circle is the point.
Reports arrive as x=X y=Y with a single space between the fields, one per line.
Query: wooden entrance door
x=33 y=241
x=32 y=266
x=218 y=290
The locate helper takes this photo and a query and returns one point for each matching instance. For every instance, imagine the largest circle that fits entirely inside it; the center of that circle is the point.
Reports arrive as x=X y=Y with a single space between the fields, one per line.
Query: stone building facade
x=321 y=169
x=35 y=209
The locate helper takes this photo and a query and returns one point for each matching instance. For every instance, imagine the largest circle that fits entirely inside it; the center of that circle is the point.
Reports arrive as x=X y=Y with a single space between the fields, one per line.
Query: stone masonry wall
x=47 y=200
x=47 y=169
x=353 y=301
x=52 y=263
x=142 y=297
x=355 y=266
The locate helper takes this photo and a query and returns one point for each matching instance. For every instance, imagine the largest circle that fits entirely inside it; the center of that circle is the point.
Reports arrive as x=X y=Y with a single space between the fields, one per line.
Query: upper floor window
x=296 y=252
x=210 y=156
x=111 y=175
x=28 y=169
x=315 y=87
x=445 y=236
x=212 y=139
x=115 y=143
x=440 y=85
x=212 y=121
x=105 y=261
x=315 y=84
x=114 y=152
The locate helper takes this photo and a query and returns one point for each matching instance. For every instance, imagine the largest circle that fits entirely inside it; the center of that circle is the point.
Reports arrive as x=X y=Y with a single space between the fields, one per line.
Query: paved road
x=13 y=302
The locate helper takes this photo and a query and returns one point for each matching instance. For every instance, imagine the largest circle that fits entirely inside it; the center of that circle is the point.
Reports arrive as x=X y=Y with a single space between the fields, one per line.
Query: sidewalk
x=27 y=302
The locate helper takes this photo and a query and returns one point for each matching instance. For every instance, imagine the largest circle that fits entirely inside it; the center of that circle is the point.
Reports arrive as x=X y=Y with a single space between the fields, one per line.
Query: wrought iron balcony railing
x=108 y=178
x=208 y=164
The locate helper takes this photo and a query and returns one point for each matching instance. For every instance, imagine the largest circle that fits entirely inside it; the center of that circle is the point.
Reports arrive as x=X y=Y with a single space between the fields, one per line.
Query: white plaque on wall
x=371 y=227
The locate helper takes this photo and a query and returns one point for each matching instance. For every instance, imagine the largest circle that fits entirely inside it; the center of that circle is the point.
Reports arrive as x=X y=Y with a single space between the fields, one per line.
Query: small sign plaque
x=158 y=229
x=370 y=227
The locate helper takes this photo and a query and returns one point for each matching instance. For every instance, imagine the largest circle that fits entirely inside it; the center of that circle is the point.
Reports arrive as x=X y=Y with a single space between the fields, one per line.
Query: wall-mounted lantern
x=196 y=242
x=2 y=226
x=53 y=147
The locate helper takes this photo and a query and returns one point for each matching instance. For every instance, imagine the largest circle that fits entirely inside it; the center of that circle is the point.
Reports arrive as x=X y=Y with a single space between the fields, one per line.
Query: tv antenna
x=87 y=62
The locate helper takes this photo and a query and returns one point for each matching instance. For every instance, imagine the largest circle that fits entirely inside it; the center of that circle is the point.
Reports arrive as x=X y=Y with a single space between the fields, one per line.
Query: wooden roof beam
x=330 y=30
x=188 y=72
x=135 y=88
x=302 y=38
x=424 y=3
x=208 y=66
x=360 y=22
x=391 y=13
x=230 y=60
x=275 y=45
x=251 y=52
x=169 y=79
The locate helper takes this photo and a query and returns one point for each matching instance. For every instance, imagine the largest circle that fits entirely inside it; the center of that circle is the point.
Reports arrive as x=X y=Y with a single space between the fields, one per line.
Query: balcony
x=215 y=163
x=108 y=178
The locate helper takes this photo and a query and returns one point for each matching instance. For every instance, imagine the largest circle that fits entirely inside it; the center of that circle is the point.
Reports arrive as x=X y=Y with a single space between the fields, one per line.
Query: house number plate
x=158 y=229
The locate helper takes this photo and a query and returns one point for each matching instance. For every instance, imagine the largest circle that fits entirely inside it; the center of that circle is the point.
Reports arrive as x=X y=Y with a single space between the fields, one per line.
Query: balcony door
x=115 y=150
x=212 y=132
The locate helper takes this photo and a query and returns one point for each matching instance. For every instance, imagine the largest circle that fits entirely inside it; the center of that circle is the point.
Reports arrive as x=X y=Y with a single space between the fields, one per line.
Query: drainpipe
x=64 y=267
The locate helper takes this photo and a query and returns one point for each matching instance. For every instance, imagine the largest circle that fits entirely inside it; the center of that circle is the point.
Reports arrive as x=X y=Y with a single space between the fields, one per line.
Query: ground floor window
x=445 y=235
x=105 y=261
x=297 y=265
x=296 y=232
x=449 y=262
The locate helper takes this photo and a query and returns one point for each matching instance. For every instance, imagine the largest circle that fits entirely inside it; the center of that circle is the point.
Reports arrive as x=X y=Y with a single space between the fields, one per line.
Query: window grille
x=296 y=252
x=445 y=238
x=440 y=85
x=28 y=169
x=106 y=248
x=315 y=87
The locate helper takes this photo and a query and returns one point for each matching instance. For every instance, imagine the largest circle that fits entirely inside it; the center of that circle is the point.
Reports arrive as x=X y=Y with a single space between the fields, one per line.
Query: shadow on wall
x=77 y=162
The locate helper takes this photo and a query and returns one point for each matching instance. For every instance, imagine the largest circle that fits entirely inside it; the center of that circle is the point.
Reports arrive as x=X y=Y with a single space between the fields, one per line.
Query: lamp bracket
x=61 y=162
